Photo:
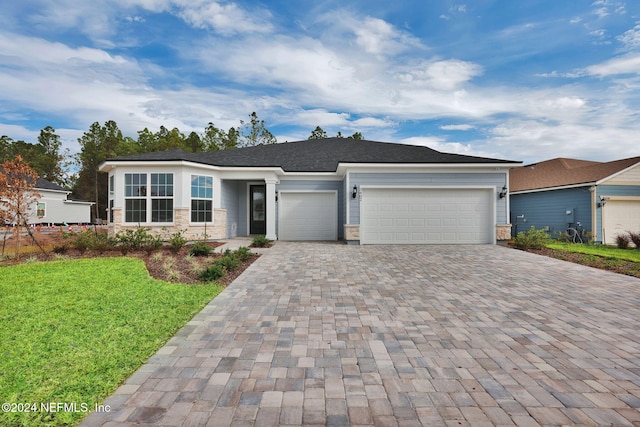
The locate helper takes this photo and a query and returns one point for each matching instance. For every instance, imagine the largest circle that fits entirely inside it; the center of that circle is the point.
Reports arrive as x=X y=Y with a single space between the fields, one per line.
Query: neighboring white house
x=359 y=191
x=54 y=207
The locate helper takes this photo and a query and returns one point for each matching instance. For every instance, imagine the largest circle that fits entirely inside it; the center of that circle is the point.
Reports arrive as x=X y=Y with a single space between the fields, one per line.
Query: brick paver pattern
x=330 y=334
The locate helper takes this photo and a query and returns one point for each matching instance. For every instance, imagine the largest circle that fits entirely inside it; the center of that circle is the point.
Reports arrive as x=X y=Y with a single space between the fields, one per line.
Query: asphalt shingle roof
x=316 y=155
x=562 y=172
x=43 y=184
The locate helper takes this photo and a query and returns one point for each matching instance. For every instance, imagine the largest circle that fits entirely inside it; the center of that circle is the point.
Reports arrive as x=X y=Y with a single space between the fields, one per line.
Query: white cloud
x=444 y=146
x=378 y=37
x=371 y=122
x=457 y=127
x=224 y=18
x=441 y=75
x=24 y=50
x=627 y=64
x=530 y=141
x=604 y=8
x=631 y=38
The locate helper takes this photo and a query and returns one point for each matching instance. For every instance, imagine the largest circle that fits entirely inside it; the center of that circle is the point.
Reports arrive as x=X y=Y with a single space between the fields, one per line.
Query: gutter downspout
x=594 y=213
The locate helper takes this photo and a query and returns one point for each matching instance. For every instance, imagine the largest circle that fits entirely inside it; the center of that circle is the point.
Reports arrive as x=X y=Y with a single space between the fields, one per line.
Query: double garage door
x=427 y=216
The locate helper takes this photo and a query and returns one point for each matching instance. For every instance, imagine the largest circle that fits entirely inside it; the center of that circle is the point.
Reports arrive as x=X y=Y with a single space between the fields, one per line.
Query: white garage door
x=620 y=216
x=308 y=215
x=426 y=216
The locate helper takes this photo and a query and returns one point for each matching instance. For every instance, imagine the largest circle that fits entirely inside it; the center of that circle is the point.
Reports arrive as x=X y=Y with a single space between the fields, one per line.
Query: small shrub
x=531 y=239
x=260 y=241
x=243 y=253
x=133 y=239
x=211 y=273
x=177 y=241
x=101 y=242
x=635 y=238
x=60 y=249
x=229 y=262
x=173 y=275
x=623 y=241
x=152 y=244
x=157 y=257
x=80 y=241
x=200 y=249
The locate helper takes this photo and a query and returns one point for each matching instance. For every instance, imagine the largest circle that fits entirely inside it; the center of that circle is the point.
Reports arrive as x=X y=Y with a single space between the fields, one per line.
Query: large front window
x=161 y=197
x=139 y=197
x=201 y=198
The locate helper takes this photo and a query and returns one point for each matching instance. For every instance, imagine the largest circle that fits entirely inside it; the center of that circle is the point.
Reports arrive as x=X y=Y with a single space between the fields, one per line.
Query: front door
x=257 y=210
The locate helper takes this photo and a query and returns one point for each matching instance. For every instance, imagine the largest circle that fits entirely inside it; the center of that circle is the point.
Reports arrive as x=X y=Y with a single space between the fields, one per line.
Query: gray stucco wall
x=497 y=180
x=549 y=209
x=303 y=185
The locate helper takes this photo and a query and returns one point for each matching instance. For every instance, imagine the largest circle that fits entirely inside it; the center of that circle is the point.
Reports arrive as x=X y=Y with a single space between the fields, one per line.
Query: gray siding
x=243 y=208
x=301 y=185
x=497 y=180
x=612 y=190
x=230 y=202
x=549 y=209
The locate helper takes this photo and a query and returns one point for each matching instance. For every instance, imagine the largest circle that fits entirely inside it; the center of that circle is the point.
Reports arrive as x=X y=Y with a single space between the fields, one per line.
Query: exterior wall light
x=603 y=201
x=354 y=193
x=503 y=193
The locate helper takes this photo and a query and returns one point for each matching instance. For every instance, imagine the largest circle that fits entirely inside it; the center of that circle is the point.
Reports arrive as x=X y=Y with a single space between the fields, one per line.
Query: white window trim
x=213 y=205
x=149 y=201
x=44 y=209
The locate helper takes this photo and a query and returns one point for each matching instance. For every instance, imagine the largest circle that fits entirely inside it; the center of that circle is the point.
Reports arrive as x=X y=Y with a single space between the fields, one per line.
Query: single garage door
x=620 y=216
x=308 y=215
x=419 y=216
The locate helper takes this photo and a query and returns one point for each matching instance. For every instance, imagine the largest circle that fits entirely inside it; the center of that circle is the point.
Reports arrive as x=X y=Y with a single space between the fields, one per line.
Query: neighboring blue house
x=329 y=189
x=604 y=197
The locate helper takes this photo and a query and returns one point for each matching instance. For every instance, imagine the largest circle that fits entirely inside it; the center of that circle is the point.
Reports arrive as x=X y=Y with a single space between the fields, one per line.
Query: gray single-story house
x=604 y=197
x=328 y=189
x=54 y=207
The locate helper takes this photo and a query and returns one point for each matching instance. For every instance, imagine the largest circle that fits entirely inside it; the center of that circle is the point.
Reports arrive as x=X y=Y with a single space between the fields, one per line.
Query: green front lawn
x=73 y=331
x=599 y=250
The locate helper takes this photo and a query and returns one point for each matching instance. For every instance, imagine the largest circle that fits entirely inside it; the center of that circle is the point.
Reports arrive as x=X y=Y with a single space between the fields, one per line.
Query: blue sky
x=518 y=80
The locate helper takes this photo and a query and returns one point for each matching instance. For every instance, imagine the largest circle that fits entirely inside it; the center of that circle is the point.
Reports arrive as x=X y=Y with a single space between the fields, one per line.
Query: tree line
x=100 y=142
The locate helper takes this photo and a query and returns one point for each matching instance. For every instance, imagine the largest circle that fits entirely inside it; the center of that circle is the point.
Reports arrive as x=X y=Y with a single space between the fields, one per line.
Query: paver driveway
x=331 y=334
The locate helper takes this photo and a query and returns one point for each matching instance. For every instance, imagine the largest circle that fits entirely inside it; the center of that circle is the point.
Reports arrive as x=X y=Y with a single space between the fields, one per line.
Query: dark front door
x=257 y=210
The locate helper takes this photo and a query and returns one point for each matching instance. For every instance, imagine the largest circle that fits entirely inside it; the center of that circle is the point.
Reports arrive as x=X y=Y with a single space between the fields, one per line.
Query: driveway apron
x=331 y=334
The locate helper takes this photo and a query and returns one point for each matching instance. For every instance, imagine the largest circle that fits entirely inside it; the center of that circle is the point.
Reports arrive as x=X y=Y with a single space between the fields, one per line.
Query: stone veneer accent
x=351 y=233
x=181 y=221
x=503 y=232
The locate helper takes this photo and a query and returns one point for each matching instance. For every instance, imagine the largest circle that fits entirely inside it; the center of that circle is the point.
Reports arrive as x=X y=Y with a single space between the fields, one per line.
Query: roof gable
x=43 y=184
x=316 y=155
x=562 y=172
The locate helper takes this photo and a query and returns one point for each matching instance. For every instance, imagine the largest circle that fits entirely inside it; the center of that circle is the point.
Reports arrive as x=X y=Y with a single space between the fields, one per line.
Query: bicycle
x=575 y=233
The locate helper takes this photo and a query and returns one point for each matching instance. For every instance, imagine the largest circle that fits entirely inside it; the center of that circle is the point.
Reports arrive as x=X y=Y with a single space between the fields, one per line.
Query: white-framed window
x=201 y=198
x=161 y=197
x=135 y=193
x=148 y=197
x=41 y=209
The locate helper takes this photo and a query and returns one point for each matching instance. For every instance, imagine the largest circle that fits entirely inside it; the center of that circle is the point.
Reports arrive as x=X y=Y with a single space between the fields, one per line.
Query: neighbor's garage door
x=308 y=215
x=620 y=216
x=426 y=216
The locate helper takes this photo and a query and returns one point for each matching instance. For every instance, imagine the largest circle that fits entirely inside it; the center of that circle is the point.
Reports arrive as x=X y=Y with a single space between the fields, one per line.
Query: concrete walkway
x=330 y=334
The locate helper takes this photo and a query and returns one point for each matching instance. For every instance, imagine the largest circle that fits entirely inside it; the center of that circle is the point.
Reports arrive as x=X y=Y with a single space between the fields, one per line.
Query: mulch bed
x=163 y=264
x=628 y=268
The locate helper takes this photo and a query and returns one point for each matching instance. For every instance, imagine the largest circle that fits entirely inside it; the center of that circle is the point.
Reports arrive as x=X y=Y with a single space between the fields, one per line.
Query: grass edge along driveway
x=72 y=331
